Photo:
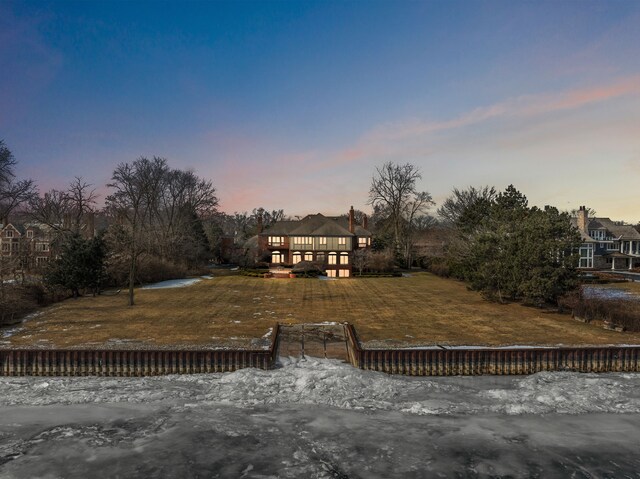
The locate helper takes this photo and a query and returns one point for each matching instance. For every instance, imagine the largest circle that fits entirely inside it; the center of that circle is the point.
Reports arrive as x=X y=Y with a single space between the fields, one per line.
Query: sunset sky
x=293 y=104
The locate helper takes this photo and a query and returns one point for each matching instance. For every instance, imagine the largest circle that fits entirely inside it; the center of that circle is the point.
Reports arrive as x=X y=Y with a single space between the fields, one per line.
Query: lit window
x=276 y=257
x=297 y=257
x=343 y=273
x=342 y=240
x=323 y=240
x=344 y=258
x=331 y=273
x=333 y=258
x=362 y=242
x=308 y=256
x=276 y=240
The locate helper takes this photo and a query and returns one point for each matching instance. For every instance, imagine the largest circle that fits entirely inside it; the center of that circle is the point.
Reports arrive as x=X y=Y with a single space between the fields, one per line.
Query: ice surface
x=320 y=418
x=598 y=292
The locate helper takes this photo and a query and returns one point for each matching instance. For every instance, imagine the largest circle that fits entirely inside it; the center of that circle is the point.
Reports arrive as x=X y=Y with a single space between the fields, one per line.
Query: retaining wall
x=75 y=362
x=452 y=362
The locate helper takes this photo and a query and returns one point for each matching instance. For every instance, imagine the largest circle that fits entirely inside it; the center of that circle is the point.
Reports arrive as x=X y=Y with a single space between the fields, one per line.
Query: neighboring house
x=327 y=240
x=29 y=244
x=606 y=244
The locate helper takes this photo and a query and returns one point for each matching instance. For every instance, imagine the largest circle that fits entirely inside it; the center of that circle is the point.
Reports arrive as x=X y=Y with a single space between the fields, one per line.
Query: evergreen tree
x=80 y=265
x=511 y=251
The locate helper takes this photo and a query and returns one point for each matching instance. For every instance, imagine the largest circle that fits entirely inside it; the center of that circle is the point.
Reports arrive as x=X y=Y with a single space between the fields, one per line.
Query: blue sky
x=292 y=104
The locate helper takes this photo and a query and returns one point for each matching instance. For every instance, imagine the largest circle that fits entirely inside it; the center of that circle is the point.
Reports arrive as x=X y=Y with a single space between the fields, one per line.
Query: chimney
x=583 y=220
x=365 y=222
x=351 y=220
x=260 y=223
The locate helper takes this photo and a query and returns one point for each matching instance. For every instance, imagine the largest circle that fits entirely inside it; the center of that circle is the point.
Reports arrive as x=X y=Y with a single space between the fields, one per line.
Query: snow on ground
x=173 y=283
x=320 y=419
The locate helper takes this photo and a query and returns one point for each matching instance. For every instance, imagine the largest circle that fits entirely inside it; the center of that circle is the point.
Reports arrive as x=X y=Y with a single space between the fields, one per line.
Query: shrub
x=619 y=312
x=150 y=270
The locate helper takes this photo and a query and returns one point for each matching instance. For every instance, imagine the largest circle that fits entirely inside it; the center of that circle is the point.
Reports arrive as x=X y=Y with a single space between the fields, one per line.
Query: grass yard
x=238 y=311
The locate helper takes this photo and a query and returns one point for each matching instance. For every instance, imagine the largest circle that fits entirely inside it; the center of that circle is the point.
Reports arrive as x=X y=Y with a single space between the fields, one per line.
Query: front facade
x=28 y=244
x=607 y=244
x=330 y=242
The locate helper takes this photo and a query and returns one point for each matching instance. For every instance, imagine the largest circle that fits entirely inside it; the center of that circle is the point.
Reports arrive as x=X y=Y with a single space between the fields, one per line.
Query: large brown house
x=29 y=244
x=328 y=240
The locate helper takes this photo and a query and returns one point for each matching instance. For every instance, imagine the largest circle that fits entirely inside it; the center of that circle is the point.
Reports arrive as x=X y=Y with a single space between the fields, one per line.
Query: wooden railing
x=451 y=362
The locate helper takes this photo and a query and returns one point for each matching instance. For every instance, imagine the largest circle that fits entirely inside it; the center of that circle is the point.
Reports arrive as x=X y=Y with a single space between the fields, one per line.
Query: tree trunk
x=132 y=277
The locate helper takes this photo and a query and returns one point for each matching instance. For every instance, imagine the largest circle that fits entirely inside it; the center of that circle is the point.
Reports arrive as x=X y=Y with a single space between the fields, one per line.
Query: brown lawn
x=238 y=311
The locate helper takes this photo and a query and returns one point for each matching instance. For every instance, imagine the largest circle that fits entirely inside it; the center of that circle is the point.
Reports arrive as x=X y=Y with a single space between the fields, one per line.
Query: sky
x=293 y=105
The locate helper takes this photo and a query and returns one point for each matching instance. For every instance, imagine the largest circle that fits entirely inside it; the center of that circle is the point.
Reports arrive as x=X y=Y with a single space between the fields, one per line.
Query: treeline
x=157 y=223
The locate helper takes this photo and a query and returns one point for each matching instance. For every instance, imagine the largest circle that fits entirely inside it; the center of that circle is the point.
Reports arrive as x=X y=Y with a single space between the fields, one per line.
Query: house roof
x=584 y=237
x=626 y=232
x=316 y=225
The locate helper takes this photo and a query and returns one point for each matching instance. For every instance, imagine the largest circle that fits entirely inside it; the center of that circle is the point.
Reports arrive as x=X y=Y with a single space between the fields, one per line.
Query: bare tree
x=393 y=190
x=12 y=193
x=135 y=185
x=462 y=204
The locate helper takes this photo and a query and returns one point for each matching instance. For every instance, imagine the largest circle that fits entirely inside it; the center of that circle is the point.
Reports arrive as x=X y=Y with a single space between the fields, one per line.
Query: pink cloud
x=378 y=142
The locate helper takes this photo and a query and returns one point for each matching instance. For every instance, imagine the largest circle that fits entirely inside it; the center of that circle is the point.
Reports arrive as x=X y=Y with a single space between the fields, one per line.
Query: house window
x=344 y=258
x=41 y=260
x=5 y=246
x=276 y=240
x=362 y=242
x=9 y=234
x=323 y=240
x=302 y=240
x=331 y=273
x=30 y=234
x=333 y=258
x=586 y=256
x=320 y=257
x=342 y=240
x=297 y=257
x=308 y=256
x=42 y=247
x=344 y=273
x=276 y=257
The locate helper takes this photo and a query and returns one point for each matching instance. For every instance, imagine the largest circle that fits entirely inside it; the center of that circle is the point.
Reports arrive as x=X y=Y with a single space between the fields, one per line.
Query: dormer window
x=8 y=234
x=342 y=240
x=30 y=234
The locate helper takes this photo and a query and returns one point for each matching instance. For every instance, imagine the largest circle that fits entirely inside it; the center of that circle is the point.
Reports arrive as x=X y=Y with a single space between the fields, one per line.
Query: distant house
x=327 y=240
x=606 y=244
x=29 y=244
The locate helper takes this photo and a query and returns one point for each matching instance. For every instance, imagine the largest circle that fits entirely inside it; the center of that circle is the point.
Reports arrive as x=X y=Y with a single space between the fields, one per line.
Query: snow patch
x=173 y=283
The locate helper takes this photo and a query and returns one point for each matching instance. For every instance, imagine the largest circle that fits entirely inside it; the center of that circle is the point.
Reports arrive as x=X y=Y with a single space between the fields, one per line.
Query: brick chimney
x=352 y=214
x=260 y=223
x=583 y=220
x=365 y=222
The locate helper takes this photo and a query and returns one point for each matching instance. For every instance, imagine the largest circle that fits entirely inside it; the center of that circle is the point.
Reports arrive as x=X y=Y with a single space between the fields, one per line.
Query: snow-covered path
x=320 y=418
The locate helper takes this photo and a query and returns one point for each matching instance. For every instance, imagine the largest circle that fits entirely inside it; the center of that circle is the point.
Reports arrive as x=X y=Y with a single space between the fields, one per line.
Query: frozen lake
x=321 y=419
